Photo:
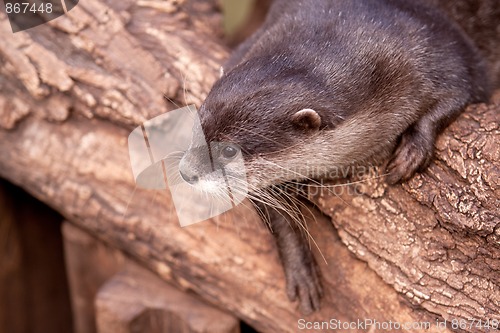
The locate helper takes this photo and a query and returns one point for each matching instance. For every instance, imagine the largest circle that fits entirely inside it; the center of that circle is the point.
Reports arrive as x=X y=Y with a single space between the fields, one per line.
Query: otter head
x=260 y=113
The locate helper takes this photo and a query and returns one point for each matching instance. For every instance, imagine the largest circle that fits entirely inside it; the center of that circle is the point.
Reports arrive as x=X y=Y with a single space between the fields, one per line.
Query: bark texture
x=72 y=90
x=436 y=238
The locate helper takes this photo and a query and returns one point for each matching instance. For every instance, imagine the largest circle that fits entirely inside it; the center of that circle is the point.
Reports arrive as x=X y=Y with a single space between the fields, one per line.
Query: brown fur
x=384 y=77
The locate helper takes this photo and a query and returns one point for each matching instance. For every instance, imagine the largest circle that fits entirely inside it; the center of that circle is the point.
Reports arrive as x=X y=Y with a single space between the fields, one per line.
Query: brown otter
x=326 y=84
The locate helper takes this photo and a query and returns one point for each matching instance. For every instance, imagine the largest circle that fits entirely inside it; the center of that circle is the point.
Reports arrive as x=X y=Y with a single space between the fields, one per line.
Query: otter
x=327 y=84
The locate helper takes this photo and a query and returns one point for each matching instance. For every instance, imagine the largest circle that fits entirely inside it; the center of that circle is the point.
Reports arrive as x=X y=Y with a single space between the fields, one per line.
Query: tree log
x=72 y=90
x=435 y=239
x=136 y=300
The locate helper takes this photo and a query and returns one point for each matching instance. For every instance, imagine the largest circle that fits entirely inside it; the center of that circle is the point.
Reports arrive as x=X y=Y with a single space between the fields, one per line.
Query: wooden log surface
x=72 y=90
x=136 y=300
x=112 y=293
x=436 y=239
x=89 y=264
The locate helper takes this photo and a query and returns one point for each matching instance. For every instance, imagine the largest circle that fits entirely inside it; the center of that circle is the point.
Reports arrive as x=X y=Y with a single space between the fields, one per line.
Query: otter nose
x=191 y=179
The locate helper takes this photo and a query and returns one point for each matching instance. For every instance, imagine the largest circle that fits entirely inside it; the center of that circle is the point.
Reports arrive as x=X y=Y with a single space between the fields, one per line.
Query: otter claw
x=304 y=283
x=413 y=154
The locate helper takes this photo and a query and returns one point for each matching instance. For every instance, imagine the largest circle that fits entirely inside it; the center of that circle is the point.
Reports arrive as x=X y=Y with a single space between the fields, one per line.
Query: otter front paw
x=303 y=281
x=413 y=154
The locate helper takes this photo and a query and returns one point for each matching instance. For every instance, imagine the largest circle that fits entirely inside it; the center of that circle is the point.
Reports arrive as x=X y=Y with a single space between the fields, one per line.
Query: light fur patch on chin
x=210 y=186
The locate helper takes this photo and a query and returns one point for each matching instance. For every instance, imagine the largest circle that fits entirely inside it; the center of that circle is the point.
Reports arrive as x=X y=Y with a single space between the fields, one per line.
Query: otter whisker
x=300 y=220
x=239 y=128
x=171 y=100
x=128 y=203
x=304 y=177
x=282 y=150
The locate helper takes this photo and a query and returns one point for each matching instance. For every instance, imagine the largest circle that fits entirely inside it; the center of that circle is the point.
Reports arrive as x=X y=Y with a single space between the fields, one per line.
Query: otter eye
x=229 y=151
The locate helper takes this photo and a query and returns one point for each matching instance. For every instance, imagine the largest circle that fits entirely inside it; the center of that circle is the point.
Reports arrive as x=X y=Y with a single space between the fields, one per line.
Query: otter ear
x=307 y=119
x=221 y=72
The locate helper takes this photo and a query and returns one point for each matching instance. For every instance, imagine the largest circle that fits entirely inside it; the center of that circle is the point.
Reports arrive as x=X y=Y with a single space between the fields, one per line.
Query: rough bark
x=71 y=91
x=436 y=239
x=112 y=60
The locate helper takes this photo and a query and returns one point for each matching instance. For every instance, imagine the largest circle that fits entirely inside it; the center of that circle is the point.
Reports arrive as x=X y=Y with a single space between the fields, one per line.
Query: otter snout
x=193 y=166
x=191 y=179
